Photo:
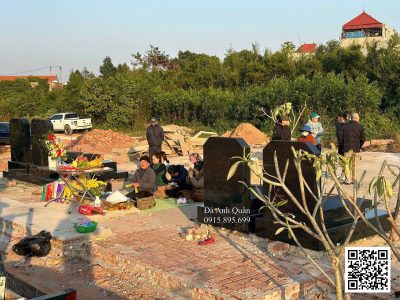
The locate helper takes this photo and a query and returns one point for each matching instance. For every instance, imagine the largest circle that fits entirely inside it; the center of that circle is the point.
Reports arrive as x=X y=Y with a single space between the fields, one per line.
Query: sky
x=80 y=33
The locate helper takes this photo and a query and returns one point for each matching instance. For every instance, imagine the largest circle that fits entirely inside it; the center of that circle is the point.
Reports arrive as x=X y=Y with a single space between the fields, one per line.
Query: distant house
x=307 y=48
x=51 y=79
x=304 y=50
x=363 y=30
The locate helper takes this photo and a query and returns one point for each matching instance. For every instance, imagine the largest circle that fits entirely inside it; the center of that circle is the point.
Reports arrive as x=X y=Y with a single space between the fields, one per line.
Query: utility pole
x=60 y=69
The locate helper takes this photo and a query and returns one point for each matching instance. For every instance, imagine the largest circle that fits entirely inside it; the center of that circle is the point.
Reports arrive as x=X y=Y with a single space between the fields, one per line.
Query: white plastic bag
x=117 y=197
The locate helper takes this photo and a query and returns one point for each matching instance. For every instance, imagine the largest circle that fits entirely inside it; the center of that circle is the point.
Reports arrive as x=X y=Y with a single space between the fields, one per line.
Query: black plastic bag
x=36 y=245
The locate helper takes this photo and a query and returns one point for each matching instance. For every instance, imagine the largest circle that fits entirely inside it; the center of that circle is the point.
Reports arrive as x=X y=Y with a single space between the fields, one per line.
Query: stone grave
x=20 y=141
x=30 y=155
x=337 y=220
x=40 y=129
x=227 y=203
x=20 y=145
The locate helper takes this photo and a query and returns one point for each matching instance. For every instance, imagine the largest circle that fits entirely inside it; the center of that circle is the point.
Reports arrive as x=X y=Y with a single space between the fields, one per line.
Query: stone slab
x=40 y=128
x=20 y=140
x=337 y=231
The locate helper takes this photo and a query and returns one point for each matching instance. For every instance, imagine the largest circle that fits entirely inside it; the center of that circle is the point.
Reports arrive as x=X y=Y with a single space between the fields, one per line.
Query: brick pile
x=5 y=156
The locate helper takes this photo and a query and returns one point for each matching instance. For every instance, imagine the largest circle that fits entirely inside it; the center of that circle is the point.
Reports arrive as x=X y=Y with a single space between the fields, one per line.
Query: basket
x=86 y=229
x=144 y=200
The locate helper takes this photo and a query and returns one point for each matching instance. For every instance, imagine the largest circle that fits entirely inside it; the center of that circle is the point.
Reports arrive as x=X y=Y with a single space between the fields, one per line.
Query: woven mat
x=167 y=203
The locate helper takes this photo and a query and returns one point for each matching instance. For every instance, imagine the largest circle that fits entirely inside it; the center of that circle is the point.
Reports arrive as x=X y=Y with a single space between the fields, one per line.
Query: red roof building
x=49 y=78
x=362 y=21
x=307 y=48
x=363 y=30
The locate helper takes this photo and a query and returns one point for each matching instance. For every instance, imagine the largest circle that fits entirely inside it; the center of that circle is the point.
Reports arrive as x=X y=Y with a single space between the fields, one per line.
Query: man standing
x=281 y=130
x=155 y=136
x=352 y=137
x=316 y=128
x=341 y=120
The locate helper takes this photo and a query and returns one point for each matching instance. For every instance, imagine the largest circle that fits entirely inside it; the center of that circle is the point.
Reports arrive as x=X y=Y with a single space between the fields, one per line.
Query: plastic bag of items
x=36 y=245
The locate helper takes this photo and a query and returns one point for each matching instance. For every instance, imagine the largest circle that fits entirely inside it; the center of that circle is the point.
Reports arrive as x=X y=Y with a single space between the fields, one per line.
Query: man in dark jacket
x=341 y=120
x=155 y=136
x=178 y=175
x=352 y=137
x=281 y=130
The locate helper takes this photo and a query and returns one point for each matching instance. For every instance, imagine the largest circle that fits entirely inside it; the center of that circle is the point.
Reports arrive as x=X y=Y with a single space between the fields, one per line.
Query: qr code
x=367 y=270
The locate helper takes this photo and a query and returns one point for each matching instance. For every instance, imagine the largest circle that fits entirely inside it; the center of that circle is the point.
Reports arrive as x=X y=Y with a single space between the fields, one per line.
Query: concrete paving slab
x=54 y=218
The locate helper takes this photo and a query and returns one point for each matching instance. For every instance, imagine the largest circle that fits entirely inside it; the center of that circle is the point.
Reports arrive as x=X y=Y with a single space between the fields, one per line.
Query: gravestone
x=29 y=154
x=337 y=221
x=20 y=141
x=226 y=200
x=284 y=153
x=40 y=129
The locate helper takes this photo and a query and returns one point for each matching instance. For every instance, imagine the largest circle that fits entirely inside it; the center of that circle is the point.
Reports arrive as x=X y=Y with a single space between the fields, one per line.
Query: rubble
x=249 y=133
x=179 y=140
x=199 y=232
x=5 y=156
x=182 y=130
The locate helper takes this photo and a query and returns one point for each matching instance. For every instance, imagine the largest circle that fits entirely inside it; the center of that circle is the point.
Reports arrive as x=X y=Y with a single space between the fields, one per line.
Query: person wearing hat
x=281 y=131
x=316 y=128
x=144 y=178
x=155 y=136
x=306 y=135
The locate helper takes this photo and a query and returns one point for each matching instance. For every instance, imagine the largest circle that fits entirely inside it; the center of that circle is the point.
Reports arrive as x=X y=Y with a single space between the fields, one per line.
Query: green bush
x=203 y=91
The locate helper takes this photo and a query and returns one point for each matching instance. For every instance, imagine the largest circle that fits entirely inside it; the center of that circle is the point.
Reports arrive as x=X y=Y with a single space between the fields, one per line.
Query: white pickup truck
x=69 y=122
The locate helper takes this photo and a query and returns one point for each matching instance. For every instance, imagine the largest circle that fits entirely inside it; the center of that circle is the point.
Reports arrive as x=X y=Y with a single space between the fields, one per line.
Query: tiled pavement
x=232 y=268
x=235 y=267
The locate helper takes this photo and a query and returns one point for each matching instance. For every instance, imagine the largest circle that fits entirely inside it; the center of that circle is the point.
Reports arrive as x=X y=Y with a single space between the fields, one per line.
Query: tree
x=107 y=69
x=112 y=101
x=87 y=74
x=68 y=98
x=153 y=59
x=245 y=68
x=384 y=68
x=349 y=61
x=15 y=98
x=287 y=47
x=123 y=68
x=198 y=70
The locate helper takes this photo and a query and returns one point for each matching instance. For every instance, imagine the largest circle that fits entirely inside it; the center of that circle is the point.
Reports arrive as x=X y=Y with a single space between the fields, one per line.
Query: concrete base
x=337 y=231
x=19 y=219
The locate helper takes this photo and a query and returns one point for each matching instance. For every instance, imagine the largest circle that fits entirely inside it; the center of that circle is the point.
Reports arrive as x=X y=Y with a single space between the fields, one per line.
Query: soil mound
x=101 y=138
x=249 y=133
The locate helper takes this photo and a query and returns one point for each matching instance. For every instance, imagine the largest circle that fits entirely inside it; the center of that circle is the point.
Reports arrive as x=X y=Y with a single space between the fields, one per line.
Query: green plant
x=327 y=181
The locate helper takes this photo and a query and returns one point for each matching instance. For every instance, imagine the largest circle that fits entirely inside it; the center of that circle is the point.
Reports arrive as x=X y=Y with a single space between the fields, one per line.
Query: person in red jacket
x=306 y=135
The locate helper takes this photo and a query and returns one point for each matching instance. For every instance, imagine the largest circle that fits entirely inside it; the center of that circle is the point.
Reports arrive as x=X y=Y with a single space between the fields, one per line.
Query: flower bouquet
x=56 y=149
